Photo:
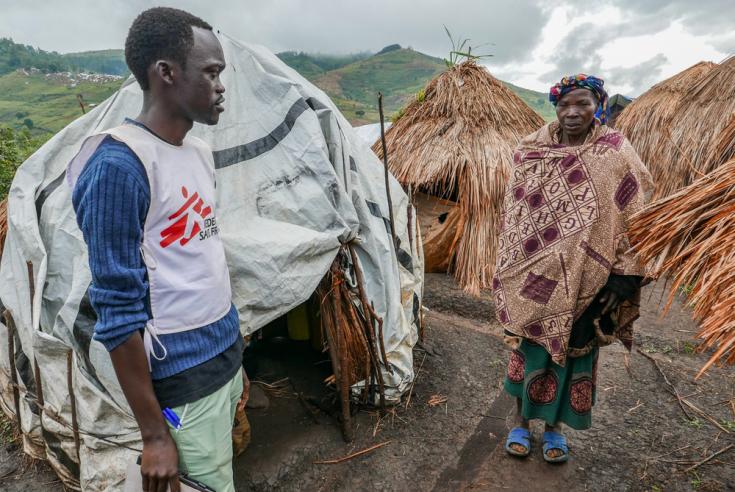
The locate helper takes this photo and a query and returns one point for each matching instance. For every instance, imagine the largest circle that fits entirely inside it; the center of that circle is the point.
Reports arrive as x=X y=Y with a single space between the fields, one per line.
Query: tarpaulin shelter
x=301 y=201
x=454 y=146
x=615 y=106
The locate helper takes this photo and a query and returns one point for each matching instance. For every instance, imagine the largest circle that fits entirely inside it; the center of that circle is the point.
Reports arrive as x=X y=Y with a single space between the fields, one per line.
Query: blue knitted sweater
x=111 y=200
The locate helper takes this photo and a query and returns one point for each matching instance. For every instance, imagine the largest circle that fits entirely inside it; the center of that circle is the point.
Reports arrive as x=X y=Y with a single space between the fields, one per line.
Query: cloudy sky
x=632 y=44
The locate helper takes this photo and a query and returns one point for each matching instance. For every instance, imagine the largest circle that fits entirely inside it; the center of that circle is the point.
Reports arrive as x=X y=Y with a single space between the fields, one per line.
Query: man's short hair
x=160 y=33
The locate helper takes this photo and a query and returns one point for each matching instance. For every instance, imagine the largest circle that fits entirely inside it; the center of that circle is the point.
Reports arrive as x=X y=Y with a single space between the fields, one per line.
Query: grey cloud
x=641 y=76
x=700 y=17
x=513 y=27
x=327 y=26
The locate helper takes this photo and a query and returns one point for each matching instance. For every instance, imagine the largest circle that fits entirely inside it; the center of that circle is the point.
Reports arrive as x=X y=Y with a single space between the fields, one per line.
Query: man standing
x=144 y=194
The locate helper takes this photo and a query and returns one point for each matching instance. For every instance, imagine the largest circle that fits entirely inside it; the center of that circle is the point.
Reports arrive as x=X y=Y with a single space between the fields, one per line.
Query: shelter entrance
x=293 y=393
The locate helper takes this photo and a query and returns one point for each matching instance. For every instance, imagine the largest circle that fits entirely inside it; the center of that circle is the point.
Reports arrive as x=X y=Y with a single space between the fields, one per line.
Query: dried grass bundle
x=3 y=224
x=691 y=237
x=353 y=331
x=458 y=140
x=649 y=123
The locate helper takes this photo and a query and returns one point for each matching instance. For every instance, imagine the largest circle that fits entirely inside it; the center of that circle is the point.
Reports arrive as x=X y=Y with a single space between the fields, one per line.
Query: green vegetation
x=353 y=81
x=15 y=147
x=46 y=103
x=110 y=62
x=14 y=56
x=399 y=74
x=40 y=91
x=313 y=65
x=539 y=101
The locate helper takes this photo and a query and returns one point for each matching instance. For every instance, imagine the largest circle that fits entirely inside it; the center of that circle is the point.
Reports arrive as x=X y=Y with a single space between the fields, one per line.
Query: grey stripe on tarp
x=405 y=259
x=46 y=192
x=315 y=104
x=83 y=331
x=374 y=209
x=227 y=157
x=353 y=164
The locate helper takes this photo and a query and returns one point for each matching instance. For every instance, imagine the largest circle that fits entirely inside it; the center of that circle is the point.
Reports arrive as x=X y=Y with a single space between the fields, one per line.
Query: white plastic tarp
x=294 y=182
x=371 y=133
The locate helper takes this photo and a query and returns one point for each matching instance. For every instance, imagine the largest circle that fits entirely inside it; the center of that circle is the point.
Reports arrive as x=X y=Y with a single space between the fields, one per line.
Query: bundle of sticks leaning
x=690 y=236
x=3 y=223
x=354 y=332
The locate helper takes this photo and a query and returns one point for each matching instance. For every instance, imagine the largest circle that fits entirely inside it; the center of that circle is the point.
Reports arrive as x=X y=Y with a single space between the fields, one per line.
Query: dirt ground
x=641 y=438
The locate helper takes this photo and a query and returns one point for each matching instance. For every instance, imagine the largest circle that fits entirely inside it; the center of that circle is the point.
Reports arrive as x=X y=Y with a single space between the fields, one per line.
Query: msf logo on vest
x=193 y=219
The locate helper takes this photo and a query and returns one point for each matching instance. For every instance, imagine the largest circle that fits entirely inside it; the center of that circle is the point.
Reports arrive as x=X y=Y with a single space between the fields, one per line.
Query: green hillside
x=539 y=101
x=36 y=93
x=399 y=73
x=106 y=61
x=313 y=65
x=14 y=56
x=46 y=103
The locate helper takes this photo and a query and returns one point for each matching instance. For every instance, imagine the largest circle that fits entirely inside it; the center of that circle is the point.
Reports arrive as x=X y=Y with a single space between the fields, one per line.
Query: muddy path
x=641 y=438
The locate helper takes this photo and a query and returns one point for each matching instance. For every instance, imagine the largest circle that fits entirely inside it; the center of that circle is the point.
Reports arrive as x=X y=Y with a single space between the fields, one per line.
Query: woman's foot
x=519 y=442
x=555 y=446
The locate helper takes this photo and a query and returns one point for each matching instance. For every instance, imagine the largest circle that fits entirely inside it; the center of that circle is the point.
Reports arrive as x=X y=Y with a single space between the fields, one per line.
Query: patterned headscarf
x=582 y=81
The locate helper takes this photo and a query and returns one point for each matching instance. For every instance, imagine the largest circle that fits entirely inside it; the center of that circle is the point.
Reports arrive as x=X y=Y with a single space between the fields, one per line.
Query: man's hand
x=245 y=392
x=610 y=300
x=160 y=465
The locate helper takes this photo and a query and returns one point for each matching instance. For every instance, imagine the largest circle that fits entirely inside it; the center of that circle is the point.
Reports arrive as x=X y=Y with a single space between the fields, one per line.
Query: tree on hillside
x=15 y=147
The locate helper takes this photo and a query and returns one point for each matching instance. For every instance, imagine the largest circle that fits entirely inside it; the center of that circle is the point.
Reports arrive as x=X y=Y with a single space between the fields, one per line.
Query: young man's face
x=200 y=91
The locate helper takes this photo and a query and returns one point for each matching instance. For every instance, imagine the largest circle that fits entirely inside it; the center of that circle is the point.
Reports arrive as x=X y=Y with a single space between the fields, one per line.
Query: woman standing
x=566 y=281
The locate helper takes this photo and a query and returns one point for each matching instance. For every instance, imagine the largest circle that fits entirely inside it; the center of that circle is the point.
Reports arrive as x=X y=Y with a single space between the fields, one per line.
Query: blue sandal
x=554 y=440
x=518 y=435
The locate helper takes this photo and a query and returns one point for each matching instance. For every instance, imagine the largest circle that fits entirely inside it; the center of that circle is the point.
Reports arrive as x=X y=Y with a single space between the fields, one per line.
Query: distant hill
x=14 y=56
x=539 y=101
x=46 y=103
x=313 y=65
x=106 y=61
x=38 y=89
x=400 y=73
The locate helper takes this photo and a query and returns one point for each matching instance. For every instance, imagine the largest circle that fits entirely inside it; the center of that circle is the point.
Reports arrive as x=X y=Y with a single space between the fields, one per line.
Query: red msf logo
x=177 y=230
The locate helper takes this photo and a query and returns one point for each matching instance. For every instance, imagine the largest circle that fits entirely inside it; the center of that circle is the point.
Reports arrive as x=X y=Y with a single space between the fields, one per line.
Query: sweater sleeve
x=111 y=200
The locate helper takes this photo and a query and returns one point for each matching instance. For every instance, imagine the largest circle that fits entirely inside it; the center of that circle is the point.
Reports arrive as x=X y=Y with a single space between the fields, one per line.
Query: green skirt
x=550 y=392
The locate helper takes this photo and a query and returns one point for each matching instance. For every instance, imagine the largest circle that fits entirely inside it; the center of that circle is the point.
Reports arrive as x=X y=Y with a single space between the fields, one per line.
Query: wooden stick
x=387 y=173
x=415 y=377
x=372 y=317
x=10 y=323
x=388 y=367
x=723 y=450
x=72 y=401
x=353 y=455
x=343 y=382
x=674 y=391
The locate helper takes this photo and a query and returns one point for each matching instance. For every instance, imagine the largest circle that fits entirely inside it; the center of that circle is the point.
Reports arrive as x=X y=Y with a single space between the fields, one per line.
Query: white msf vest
x=183 y=253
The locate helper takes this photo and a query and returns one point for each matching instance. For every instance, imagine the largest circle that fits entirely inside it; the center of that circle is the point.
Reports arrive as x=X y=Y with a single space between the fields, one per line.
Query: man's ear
x=164 y=71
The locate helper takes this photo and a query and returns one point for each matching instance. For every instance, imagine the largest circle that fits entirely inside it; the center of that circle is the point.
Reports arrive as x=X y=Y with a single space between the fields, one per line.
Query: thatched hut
x=688 y=236
x=454 y=146
x=649 y=122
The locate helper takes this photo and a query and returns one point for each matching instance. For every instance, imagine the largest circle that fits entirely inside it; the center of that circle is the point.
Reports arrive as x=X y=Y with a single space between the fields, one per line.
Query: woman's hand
x=610 y=300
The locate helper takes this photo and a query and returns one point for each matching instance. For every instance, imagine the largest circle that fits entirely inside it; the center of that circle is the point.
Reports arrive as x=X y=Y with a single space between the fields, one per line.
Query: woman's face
x=576 y=112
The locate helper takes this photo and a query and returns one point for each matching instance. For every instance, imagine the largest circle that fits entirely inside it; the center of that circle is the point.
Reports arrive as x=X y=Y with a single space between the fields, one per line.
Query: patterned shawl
x=565 y=216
